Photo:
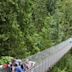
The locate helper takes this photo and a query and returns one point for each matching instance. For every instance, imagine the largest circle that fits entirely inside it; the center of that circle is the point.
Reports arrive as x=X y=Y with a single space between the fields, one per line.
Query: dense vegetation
x=65 y=65
x=30 y=26
x=5 y=60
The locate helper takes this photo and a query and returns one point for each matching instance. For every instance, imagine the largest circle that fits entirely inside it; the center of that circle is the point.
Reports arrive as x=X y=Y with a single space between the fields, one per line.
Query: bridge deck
x=47 y=58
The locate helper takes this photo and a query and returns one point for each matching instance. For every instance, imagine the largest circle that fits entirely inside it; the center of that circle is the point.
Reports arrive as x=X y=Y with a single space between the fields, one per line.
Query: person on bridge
x=29 y=65
x=16 y=66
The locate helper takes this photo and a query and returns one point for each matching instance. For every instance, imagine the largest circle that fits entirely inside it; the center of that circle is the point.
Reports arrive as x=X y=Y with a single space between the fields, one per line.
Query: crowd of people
x=17 y=65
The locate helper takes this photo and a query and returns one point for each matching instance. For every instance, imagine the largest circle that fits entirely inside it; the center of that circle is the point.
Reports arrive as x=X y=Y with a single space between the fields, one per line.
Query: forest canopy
x=30 y=26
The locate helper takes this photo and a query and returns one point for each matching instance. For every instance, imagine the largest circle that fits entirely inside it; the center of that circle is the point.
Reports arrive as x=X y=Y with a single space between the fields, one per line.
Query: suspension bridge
x=49 y=57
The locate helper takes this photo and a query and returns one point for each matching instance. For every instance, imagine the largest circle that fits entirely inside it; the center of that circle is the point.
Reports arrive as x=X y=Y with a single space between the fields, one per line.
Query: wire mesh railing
x=50 y=56
x=47 y=58
x=50 y=51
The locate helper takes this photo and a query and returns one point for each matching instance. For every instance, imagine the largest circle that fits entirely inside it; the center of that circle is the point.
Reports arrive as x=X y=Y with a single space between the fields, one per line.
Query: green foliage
x=30 y=26
x=5 y=60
